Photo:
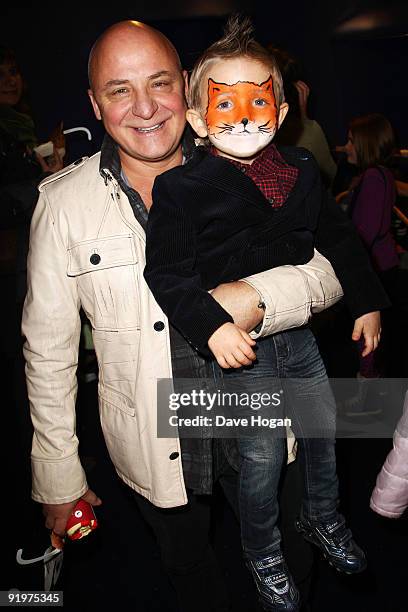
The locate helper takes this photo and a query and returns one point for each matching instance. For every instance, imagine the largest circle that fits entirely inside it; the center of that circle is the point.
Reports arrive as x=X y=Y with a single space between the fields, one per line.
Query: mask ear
x=94 y=105
x=197 y=123
x=282 y=113
x=267 y=85
x=213 y=87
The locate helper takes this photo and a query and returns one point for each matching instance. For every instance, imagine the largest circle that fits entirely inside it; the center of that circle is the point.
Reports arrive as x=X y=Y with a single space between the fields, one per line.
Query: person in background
x=298 y=129
x=390 y=495
x=370 y=201
x=21 y=169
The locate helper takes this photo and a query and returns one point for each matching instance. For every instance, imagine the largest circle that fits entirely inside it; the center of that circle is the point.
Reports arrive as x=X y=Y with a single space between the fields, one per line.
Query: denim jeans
x=289 y=362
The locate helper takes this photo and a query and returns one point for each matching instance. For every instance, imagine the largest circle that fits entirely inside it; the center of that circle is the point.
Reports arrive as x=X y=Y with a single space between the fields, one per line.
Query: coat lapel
x=221 y=174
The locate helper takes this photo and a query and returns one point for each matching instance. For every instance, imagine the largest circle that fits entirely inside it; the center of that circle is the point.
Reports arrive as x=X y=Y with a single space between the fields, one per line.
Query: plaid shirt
x=270 y=173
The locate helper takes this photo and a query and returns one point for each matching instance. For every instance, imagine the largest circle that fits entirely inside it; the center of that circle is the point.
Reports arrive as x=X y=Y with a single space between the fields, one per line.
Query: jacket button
x=95 y=259
x=174 y=456
x=158 y=326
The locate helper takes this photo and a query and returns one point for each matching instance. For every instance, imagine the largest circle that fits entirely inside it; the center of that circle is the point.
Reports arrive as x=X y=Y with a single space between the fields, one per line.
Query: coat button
x=95 y=259
x=158 y=326
x=174 y=456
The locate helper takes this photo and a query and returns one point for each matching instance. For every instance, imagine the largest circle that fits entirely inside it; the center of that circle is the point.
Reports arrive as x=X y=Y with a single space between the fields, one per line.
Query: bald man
x=87 y=250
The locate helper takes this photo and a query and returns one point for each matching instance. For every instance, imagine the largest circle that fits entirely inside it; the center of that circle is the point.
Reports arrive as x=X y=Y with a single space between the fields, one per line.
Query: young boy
x=235 y=208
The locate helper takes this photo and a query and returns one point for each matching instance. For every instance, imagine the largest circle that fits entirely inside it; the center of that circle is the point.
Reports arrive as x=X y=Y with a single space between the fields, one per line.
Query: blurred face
x=138 y=91
x=351 y=150
x=11 y=84
x=239 y=108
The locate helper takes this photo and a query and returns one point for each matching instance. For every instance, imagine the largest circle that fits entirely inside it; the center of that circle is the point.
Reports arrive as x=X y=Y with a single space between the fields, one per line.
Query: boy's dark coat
x=222 y=228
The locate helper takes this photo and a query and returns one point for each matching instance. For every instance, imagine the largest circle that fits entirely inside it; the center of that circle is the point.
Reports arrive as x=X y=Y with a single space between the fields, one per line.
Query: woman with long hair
x=370 y=147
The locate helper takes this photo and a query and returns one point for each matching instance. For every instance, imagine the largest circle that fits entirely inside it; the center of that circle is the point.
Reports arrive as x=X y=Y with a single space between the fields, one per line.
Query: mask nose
x=244 y=121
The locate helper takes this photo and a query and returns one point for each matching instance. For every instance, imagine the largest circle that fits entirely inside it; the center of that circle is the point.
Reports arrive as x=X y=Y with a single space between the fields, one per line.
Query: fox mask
x=241 y=118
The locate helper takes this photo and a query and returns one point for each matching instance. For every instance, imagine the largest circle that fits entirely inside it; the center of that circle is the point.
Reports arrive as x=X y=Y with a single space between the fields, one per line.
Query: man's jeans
x=292 y=357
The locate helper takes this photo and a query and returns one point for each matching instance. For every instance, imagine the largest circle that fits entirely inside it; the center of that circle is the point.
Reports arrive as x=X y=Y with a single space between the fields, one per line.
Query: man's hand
x=57 y=515
x=231 y=346
x=241 y=301
x=368 y=325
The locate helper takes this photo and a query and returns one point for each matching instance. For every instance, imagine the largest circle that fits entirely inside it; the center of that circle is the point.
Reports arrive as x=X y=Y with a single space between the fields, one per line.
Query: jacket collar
x=110 y=160
x=220 y=173
x=110 y=165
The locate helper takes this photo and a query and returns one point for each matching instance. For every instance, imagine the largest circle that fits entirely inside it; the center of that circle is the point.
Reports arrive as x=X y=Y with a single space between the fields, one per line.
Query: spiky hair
x=237 y=41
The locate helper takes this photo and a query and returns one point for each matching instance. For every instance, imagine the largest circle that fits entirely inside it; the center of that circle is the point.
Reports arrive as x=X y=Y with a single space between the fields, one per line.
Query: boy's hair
x=237 y=41
x=373 y=139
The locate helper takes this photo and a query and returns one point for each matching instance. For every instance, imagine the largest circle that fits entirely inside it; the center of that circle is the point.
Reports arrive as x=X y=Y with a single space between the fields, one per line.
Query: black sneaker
x=336 y=542
x=276 y=588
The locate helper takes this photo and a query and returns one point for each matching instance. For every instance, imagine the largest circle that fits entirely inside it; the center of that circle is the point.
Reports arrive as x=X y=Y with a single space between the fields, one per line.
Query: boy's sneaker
x=336 y=542
x=276 y=588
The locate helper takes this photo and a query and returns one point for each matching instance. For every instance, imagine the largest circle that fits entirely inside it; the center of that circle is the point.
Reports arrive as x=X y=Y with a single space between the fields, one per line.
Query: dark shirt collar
x=110 y=161
x=110 y=158
x=270 y=153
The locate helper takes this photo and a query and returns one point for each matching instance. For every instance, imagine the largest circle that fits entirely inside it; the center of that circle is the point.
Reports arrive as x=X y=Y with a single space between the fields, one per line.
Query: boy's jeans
x=310 y=404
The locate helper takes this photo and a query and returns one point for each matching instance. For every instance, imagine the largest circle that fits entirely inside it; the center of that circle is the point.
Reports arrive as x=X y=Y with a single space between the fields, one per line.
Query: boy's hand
x=231 y=346
x=369 y=325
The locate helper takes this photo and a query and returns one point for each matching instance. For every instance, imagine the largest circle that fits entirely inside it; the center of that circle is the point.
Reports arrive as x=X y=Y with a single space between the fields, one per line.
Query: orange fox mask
x=241 y=118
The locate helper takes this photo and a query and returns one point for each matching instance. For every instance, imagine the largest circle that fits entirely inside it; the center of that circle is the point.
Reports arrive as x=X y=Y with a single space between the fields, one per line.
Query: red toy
x=80 y=524
x=82 y=521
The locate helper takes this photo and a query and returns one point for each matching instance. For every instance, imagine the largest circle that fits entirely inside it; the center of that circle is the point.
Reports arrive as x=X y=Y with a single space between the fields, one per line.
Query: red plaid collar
x=270 y=173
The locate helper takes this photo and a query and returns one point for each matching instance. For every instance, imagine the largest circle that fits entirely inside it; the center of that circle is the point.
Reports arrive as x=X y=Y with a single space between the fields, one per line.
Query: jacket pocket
x=108 y=278
x=116 y=399
x=124 y=431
